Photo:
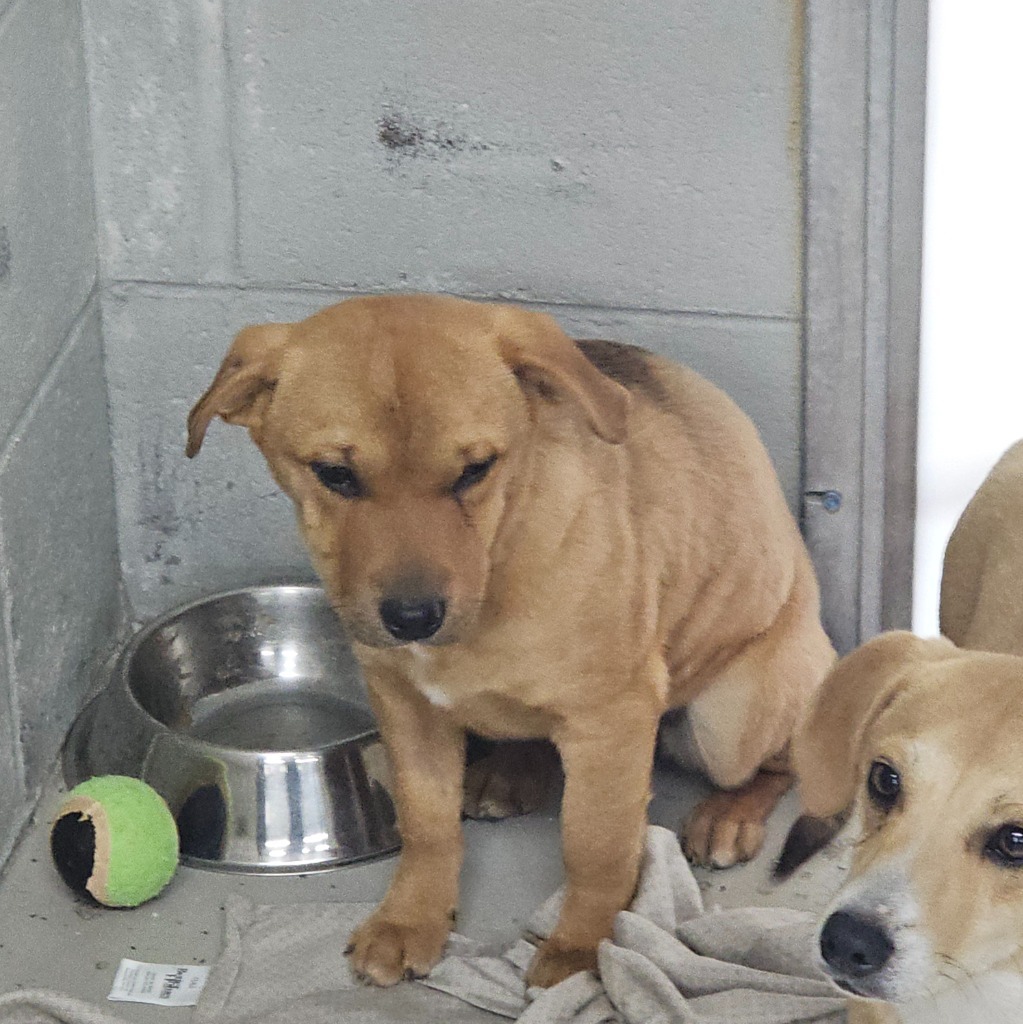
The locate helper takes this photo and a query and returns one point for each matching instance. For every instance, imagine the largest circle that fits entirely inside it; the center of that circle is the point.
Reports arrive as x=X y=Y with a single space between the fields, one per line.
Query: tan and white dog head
x=922 y=744
x=400 y=426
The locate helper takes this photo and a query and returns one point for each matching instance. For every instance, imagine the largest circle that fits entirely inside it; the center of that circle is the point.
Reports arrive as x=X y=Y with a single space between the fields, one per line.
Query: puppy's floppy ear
x=548 y=363
x=243 y=384
x=827 y=747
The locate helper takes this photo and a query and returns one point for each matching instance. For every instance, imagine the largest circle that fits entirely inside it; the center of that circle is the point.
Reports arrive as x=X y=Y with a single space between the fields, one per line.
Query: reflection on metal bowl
x=247 y=713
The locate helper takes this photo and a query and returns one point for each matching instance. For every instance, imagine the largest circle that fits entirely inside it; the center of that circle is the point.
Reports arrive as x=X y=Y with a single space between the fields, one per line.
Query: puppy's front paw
x=385 y=951
x=553 y=963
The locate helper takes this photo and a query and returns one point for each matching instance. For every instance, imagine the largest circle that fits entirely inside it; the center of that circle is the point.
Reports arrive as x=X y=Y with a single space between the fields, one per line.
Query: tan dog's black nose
x=854 y=946
x=410 y=619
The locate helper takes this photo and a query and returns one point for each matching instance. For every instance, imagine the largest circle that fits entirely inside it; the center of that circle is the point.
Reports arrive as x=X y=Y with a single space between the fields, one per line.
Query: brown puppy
x=531 y=538
x=925 y=741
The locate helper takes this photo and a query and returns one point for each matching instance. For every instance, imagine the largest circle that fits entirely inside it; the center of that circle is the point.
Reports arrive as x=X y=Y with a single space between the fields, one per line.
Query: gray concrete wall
x=632 y=168
x=58 y=560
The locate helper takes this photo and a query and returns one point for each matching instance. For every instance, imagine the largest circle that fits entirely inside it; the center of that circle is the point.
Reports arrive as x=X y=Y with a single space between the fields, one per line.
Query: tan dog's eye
x=1005 y=846
x=473 y=474
x=884 y=784
x=339 y=479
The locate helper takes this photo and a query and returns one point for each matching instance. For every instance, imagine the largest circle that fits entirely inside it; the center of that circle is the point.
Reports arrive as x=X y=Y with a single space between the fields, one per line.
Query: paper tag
x=160 y=984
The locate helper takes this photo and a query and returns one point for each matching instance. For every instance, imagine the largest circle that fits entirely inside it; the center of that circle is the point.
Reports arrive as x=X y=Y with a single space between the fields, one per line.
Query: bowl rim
x=141 y=635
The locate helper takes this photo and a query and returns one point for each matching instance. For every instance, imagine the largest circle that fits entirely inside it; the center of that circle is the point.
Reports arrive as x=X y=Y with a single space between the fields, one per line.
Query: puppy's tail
x=807 y=836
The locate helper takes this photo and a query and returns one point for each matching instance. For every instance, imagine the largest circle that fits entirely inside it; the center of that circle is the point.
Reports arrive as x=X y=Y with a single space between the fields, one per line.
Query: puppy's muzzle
x=411 y=619
x=855 y=948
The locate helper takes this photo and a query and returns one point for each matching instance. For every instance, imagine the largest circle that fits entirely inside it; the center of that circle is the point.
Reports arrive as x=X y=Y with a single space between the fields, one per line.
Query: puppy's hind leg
x=713 y=736
x=728 y=827
x=741 y=725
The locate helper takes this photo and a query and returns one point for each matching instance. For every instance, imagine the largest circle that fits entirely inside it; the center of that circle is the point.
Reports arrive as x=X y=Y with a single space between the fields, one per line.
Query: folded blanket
x=668 y=961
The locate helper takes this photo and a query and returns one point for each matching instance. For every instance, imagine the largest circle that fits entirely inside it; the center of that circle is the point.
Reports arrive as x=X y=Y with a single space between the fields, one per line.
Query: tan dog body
x=603 y=537
x=982 y=582
x=929 y=926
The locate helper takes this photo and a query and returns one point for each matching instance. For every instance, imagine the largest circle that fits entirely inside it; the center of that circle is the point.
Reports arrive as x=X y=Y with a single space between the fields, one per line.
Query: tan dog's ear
x=243 y=383
x=827 y=747
x=548 y=362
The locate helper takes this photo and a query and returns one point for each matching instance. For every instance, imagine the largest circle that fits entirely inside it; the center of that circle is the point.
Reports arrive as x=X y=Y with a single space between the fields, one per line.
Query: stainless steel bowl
x=247 y=713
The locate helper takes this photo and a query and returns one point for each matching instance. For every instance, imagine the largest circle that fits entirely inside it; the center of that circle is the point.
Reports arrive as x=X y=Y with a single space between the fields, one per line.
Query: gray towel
x=669 y=962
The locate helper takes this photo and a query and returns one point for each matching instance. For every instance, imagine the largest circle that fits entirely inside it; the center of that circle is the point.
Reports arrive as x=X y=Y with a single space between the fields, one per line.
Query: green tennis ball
x=115 y=838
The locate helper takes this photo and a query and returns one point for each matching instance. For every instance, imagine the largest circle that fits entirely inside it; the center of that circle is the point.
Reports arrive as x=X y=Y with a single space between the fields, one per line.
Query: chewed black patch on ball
x=73 y=846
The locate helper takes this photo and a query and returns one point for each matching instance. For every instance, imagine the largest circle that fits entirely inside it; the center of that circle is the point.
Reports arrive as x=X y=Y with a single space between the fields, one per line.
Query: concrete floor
x=53 y=941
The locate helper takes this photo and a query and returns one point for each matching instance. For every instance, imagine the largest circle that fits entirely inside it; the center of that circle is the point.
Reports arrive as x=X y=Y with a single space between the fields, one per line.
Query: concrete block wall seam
x=16 y=806
x=12 y=766
x=331 y=147
x=335 y=294
x=49 y=261
x=7 y=443
x=48 y=300
x=61 y=566
x=165 y=187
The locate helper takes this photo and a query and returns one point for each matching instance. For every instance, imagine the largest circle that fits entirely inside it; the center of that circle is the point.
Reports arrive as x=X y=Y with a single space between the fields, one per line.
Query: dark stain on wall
x=405 y=136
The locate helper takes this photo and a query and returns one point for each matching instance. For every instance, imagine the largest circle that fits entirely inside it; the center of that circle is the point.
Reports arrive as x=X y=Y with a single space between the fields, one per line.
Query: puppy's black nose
x=854 y=946
x=411 y=619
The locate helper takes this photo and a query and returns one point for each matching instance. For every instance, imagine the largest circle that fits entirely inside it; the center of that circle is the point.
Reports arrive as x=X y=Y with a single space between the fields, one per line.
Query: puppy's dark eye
x=473 y=474
x=1005 y=846
x=339 y=479
x=884 y=784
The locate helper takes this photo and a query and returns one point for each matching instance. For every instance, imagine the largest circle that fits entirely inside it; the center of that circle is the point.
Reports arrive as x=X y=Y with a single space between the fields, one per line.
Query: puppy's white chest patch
x=436 y=696
x=420 y=665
